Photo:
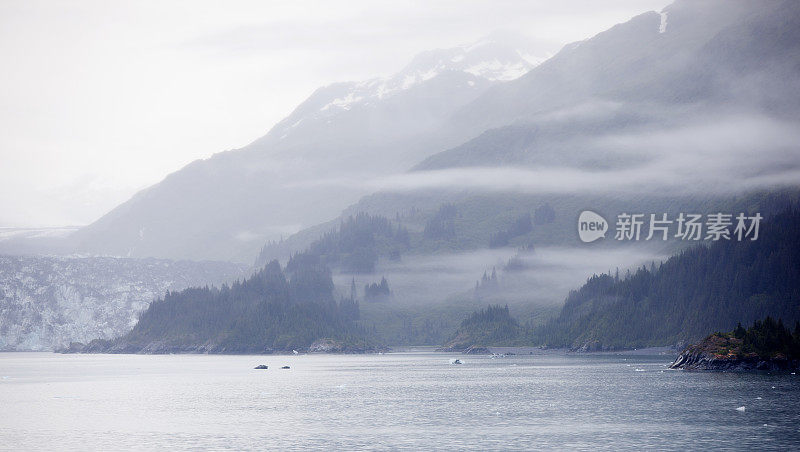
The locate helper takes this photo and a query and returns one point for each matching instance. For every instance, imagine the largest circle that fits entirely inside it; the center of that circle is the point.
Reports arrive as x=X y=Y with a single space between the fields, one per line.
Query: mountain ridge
x=258 y=191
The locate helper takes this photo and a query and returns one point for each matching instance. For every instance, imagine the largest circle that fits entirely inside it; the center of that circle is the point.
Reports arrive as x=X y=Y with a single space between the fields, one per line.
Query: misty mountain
x=694 y=63
x=672 y=99
x=666 y=113
x=48 y=302
x=445 y=222
x=225 y=207
x=691 y=107
x=440 y=263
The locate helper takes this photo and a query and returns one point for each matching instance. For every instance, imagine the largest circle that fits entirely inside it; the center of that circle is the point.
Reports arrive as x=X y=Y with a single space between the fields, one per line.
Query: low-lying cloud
x=732 y=154
x=549 y=273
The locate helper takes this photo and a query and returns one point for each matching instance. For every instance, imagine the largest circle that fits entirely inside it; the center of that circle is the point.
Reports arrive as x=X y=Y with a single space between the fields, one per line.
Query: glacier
x=46 y=302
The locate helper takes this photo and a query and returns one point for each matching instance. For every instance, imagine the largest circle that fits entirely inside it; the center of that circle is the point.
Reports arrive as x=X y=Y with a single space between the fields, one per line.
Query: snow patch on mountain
x=497 y=70
x=662 y=27
x=343 y=102
x=492 y=59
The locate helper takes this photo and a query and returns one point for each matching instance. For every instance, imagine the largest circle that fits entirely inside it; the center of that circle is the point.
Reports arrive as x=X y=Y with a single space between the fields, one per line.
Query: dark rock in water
x=261 y=366
x=477 y=350
x=456 y=361
x=285 y=367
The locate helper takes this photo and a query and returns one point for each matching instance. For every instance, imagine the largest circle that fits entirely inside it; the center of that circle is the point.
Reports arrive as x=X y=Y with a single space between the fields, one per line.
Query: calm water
x=393 y=401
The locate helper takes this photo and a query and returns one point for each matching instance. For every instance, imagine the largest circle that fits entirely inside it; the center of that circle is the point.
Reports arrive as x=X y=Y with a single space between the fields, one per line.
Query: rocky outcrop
x=720 y=352
x=697 y=360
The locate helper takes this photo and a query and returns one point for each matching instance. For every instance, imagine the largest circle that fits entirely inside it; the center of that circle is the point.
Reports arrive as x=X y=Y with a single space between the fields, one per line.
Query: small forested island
x=493 y=326
x=767 y=345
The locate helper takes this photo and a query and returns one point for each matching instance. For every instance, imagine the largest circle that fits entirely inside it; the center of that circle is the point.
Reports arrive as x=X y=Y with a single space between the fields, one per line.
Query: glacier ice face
x=48 y=302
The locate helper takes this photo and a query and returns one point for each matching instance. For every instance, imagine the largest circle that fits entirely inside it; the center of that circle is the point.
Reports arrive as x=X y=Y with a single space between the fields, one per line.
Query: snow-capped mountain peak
x=498 y=57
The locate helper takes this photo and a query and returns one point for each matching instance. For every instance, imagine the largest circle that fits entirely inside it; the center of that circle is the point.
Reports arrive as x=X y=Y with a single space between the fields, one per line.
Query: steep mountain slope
x=705 y=51
x=225 y=207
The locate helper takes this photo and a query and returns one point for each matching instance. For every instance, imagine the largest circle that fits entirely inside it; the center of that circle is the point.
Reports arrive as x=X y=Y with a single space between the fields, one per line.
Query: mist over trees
x=356 y=244
x=377 y=292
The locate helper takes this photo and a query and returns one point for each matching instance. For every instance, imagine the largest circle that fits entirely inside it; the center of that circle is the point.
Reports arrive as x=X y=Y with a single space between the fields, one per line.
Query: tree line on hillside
x=377 y=292
x=702 y=289
x=274 y=310
x=359 y=241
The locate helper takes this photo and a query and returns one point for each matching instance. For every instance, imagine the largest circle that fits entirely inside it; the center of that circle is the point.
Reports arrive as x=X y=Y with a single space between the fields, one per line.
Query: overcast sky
x=99 y=99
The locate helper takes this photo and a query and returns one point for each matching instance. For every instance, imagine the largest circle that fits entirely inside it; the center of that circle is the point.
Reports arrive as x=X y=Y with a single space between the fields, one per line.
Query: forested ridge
x=700 y=290
x=274 y=310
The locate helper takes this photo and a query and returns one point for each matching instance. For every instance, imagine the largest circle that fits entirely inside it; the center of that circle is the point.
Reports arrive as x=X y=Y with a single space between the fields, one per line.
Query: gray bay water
x=410 y=400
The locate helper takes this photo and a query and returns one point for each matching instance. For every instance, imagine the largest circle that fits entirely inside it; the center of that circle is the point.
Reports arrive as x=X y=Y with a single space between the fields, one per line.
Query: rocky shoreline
x=721 y=353
x=690 y=360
